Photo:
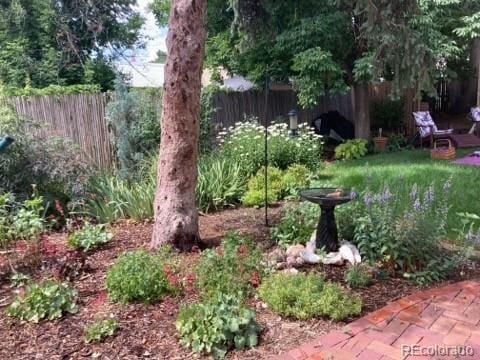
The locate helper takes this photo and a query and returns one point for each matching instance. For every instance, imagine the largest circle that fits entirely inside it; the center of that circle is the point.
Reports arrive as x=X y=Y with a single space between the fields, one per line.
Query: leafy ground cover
x=145 y=330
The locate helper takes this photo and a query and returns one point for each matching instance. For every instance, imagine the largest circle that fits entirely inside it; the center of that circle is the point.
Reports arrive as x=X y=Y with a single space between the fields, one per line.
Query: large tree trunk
x=361 y=111
x=176 y=215
x=470 y=91
x=476 y=64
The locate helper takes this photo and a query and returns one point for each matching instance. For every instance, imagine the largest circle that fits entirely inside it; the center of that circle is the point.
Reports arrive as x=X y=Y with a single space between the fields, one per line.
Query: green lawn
x=415 y=166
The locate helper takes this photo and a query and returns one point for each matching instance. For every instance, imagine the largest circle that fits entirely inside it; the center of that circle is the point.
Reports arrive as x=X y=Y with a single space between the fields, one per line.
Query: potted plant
x=380 y=141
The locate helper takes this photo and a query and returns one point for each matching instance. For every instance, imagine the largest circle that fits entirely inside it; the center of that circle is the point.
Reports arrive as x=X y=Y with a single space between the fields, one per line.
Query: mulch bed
x=148 y=331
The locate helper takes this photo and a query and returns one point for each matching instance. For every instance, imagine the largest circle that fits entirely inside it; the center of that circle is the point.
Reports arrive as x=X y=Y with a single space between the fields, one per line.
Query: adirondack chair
x=474 y=115
x=428 y=130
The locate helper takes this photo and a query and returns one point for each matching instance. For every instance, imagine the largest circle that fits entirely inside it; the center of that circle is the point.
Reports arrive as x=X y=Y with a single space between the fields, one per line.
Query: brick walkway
x=431 y=322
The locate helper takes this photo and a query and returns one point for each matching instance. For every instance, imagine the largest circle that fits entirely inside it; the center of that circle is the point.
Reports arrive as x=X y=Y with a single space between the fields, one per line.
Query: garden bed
x=148 y=331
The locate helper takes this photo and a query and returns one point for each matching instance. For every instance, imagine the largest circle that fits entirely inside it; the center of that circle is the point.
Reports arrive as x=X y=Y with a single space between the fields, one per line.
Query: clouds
x=155 y=36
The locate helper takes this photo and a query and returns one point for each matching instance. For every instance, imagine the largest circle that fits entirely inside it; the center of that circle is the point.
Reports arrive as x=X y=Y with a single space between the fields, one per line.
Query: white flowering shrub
x=244 y=143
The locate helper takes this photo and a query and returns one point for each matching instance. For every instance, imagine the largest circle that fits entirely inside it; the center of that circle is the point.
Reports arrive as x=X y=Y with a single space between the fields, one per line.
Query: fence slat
x=79 y=117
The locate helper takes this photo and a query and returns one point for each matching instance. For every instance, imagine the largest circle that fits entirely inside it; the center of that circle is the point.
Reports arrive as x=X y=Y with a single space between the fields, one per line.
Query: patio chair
x=474 y=115
x=428 y=130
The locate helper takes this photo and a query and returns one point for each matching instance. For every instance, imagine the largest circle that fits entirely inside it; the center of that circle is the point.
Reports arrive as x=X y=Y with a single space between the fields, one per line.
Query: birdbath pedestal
x=327 y=198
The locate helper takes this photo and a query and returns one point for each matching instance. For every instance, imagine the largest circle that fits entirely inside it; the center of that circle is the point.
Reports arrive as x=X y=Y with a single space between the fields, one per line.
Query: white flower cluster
x=255 y=131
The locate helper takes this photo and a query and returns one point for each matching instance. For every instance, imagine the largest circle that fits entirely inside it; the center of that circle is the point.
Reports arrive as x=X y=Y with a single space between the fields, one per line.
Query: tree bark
x=361 y=111
x=176 y=215
x=470 y=89
x=476 y=63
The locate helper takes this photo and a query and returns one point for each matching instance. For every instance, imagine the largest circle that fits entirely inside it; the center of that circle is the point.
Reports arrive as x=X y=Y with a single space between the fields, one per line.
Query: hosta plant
x=217 y=326
x=89 y=237
x=352 y=149
x=47 y=300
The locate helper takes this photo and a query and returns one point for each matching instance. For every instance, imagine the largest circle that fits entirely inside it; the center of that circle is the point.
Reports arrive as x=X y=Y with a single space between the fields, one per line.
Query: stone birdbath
x=327 y=198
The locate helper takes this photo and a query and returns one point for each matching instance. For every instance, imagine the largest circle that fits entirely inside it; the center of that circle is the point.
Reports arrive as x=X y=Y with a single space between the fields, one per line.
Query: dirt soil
x=148 y=331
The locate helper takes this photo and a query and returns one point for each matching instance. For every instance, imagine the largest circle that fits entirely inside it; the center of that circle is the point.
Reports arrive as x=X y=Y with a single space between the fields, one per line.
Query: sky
x=155 y=36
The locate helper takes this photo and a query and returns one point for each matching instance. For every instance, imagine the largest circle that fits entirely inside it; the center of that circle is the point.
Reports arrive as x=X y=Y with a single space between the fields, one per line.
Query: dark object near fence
x=5 y=143
x=334 y=127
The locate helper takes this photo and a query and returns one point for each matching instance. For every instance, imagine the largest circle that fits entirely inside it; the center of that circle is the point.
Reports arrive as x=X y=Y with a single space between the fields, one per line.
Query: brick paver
x=441 y=323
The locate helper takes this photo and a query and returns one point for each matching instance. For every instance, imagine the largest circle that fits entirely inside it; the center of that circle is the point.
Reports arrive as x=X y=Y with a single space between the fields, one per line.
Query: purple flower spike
x=385 y=196
x=416 y=205
x=447 y=185
x=429 y=196
x=368 y=199
x=414 y=192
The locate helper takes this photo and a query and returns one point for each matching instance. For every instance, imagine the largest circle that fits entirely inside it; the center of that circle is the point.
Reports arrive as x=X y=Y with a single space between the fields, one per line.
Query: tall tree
x=470 y=29
x=64 y=42
x=176 y=215
x=326 y=46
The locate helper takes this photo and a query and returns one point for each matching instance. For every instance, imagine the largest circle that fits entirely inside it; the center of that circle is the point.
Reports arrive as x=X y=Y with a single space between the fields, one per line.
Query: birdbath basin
x=327 y=198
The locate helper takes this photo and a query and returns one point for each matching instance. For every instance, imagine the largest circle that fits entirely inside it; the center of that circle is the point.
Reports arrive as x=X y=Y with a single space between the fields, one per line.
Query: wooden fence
x=234 y=106
x=80 y=117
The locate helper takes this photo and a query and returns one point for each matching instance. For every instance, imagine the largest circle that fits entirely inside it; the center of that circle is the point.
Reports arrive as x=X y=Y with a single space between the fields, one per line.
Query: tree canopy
x=64 y=42
x=327 y=45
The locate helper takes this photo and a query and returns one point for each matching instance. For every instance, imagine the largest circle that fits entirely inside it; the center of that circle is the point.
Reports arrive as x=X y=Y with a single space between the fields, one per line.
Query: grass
x=415 y=166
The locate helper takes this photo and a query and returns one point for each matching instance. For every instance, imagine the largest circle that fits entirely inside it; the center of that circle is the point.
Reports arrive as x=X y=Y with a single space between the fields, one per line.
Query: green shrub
x=256 y=198
x=352 y=149
x=52 y=163
x=52 y=90
x=234 y=269
x=134 y=119
x=220 y=183
x=244 y=144
x=214 y=328
x=255 y=195
x=99 y=330
x=112 y=198
x=89 y=237
x=296 y=177
x=20 y=221
x=47 y=300
x=297 y=225
x=358 y=276
x=387 y=114
x=438 y=269
x=396 y=142
x=402 y=231
x=138 y=276
x=346 y=215
x=306 y=296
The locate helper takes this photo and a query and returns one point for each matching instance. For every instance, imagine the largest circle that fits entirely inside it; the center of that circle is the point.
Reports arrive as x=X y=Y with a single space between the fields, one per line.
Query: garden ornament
x=5 y=143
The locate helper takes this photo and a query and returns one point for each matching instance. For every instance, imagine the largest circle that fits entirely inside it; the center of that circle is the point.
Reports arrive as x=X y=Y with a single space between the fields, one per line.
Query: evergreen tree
x=64 y=42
